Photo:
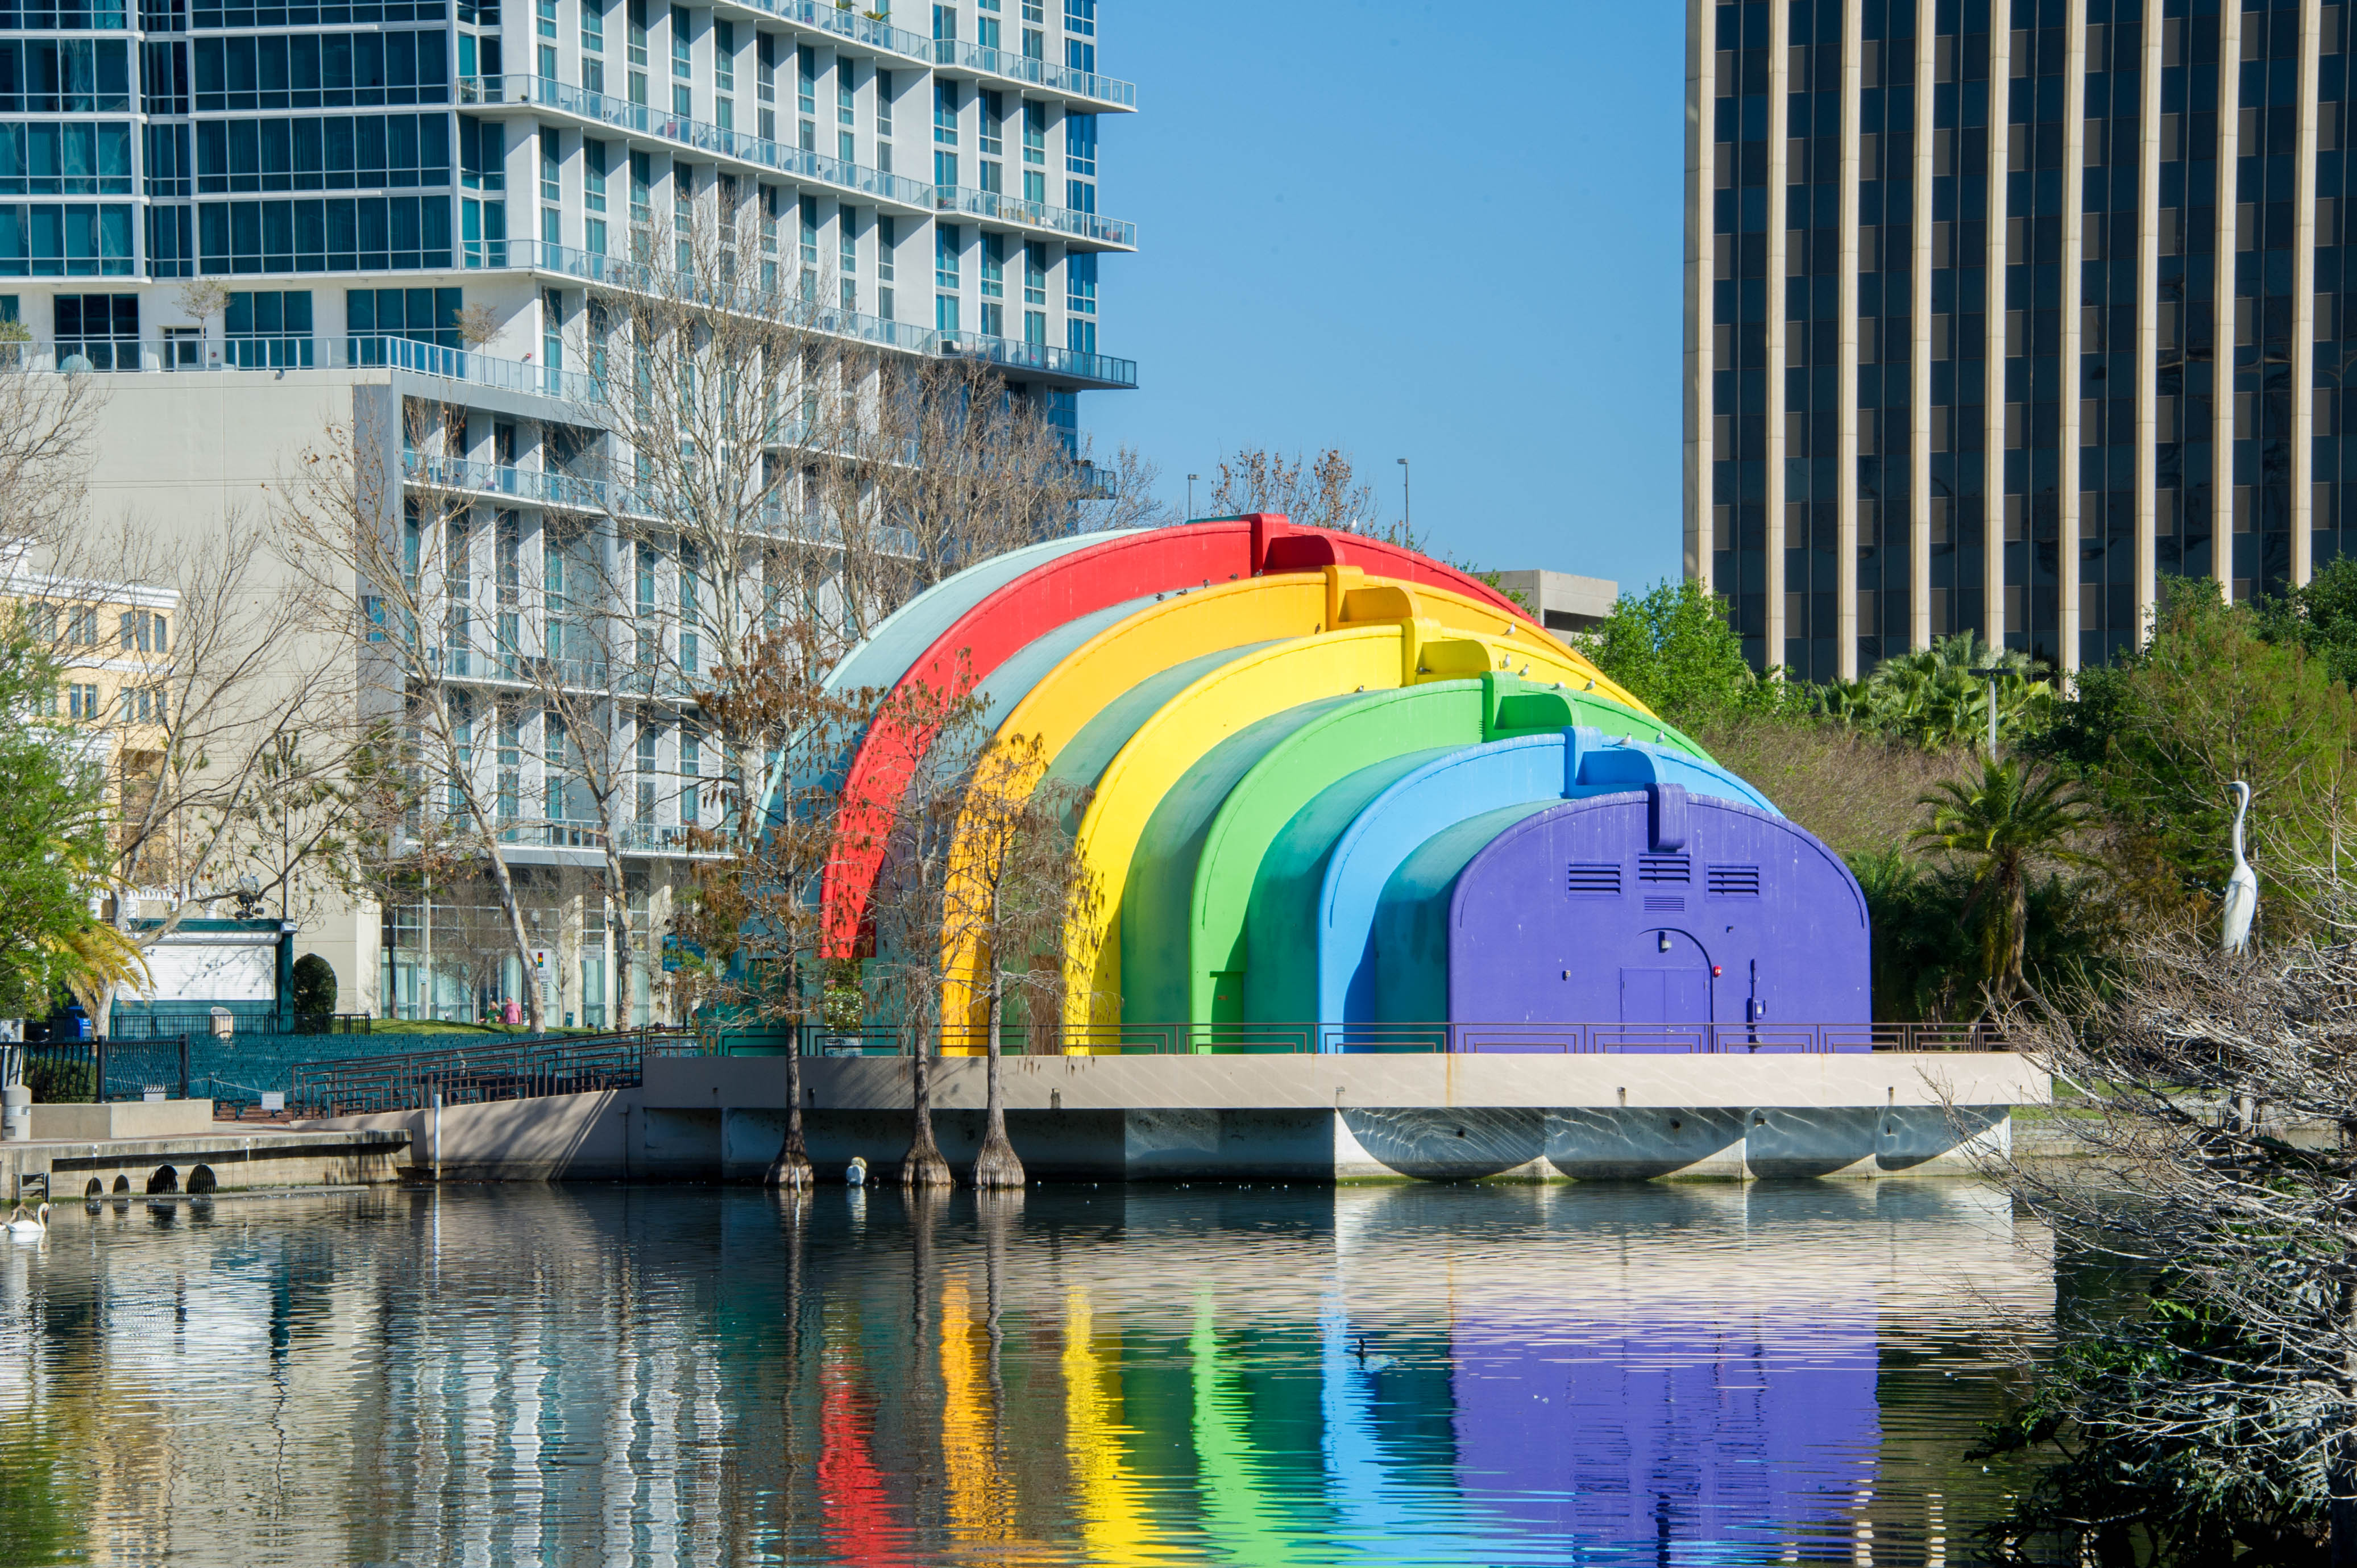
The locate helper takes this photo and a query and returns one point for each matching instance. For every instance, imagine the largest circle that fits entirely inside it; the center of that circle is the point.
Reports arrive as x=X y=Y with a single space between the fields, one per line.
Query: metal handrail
x=1033 y=72
x=1411 y=1039
x=478 y=1073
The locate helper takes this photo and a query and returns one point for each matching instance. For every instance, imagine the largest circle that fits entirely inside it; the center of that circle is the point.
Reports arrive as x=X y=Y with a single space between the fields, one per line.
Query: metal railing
x=478 y=1074
x=999 y=207
x=81 y=1072
x=1401 y=1039
x=1088 y=85
x=646 y=120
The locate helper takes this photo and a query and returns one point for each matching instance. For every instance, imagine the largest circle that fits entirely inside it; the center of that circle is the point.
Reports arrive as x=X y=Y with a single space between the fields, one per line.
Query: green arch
x=1241 y=876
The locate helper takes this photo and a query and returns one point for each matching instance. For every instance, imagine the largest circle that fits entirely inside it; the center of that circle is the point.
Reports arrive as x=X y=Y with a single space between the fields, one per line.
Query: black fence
x=1379 y=1039
x=475 y=1074
x=80 y=1072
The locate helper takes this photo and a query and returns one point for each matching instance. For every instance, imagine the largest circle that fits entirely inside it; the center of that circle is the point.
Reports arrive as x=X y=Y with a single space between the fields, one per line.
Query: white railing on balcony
x=1087 y=84
x=995 y=207
x=798 y=163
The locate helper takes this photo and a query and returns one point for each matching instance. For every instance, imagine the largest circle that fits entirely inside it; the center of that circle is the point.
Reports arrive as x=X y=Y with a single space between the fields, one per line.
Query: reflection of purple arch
x=1738 y=1438
x=1653 y=907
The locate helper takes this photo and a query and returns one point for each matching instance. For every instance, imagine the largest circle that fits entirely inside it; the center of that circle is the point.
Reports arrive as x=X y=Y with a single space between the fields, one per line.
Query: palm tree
x=2006 y=817
x=1932 y=697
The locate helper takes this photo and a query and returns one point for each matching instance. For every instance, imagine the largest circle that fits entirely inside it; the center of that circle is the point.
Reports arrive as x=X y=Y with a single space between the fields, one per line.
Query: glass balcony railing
x=1043 y=358
x=542 y=92
x=1085 y=84
x=993 y=207
x=844 y=22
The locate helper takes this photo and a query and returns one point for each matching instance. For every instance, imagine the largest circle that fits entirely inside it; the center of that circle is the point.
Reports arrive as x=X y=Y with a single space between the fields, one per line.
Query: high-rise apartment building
x=411 y=204
x=1999 y=312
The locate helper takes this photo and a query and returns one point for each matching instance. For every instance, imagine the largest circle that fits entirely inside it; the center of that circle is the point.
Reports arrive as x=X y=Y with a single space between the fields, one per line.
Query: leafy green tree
x=2214 y=698
x=1674 y=649
x=52 y=836
x=2320 y=618
x=2002 y=823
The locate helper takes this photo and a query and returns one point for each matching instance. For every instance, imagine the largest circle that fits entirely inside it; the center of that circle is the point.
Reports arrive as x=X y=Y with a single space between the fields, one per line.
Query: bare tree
x=763 y=903
x=45 y=432
x=2216 y=1098
x=1023 y=887
x=1324 y=491
x=394 y=573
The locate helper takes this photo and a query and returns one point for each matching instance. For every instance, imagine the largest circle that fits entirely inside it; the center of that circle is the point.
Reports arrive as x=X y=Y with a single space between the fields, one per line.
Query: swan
x=23 y=1229
x=857 y=1174
x=2243 y=886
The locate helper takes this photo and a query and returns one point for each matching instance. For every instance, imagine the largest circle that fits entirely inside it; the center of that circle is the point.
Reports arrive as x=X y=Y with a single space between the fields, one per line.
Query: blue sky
x=1444 y=232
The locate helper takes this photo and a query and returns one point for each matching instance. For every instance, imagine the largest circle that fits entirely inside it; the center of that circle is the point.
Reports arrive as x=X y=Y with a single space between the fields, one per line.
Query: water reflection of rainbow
x=1333 y=780
x=1295 y=1444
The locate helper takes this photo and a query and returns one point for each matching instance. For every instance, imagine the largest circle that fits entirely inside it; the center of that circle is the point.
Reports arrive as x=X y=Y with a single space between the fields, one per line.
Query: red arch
x=1126 y=566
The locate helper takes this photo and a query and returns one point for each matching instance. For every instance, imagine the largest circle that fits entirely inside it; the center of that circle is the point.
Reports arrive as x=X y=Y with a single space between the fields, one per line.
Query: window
x=81 y=703
x=945 y=170
x=424 y=314
x=317 y=71
x=765 y=67
x=993 y=116
x=884 y=103
x=945 y=113
x=1080 y=143
x=482 y=155
x=164 y=78
x=53 y=159
x=593 y=28
x=810 y=233
x=847 y=99
x=944 y=22
x=847 y=243
x=994 y=266
x=683 y=214
x=649 y=735
x=1035 y=134
x=546 y=19
x=268 y=330
x=947 y=241
x=945 y=313
x=1080 y=283
x=1035 y=272
x=67 y=16
x=643 y=200
x=333 y=152
x=985 y=30
x=723 y=54
x=1034 y=328
x=1080 y=34
x=143 y=632
x=593 y=176
x=141 y=704
x=806 y=80
x=886 y=232
x=101 y=328
x=551 y=180
x=691 y=769
x=682 y=60
x=70 y=76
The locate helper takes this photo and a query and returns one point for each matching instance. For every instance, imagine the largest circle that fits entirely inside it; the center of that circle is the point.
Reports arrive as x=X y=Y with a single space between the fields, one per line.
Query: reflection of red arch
x=859 y=1524
x=1127 y=566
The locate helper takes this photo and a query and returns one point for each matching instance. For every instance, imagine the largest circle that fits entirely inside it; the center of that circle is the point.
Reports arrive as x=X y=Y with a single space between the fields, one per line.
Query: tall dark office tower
x=1975 y=340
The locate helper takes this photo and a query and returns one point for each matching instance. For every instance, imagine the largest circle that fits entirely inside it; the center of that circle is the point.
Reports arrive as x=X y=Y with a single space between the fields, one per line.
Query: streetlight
x=1407 y=518
x=1990 y=674
x=1191 y=496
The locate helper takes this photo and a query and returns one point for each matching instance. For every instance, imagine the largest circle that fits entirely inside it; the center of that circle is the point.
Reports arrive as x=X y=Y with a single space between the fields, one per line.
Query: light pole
x=1407 y=517
x=1191 y=496
x=1990 y=675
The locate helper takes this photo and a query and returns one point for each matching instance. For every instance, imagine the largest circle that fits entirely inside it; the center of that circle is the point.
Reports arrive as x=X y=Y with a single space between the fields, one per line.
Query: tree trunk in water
x=923 y=1166
x=792 y=1168
x=997 y=1166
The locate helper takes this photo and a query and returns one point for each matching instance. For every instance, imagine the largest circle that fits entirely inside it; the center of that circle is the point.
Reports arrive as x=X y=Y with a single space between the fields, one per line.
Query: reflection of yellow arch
x=1114 y=1519
x=1354 y=659
x=1190 y=625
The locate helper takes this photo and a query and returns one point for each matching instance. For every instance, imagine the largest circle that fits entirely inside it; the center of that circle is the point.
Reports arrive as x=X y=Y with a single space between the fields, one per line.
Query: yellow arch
x=1190 y=625
x=1329 y=664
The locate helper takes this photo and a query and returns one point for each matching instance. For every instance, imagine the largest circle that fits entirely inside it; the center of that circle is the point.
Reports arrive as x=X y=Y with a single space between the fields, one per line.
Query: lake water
x=1445 y=1375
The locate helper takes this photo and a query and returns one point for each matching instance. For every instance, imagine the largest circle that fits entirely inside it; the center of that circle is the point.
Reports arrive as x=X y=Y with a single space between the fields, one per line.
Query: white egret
x=2243 y=886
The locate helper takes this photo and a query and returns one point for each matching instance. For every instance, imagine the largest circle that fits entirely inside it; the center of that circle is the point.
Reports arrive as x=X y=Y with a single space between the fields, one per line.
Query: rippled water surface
x=1256 y=1375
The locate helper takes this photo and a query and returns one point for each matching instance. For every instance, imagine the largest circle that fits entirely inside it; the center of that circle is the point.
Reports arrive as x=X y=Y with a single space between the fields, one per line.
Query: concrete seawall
x=1302 y=1117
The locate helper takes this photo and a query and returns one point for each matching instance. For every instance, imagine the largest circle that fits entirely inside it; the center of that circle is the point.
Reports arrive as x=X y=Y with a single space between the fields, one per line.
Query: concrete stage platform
x=1294 y=1117
x=175 y=1145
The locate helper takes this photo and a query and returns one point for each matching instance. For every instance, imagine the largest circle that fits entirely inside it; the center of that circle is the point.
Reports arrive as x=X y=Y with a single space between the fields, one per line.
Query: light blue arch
x=1543 y=770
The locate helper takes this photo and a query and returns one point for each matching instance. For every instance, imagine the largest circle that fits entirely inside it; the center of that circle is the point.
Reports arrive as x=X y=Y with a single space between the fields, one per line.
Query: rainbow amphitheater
x=1390 y=881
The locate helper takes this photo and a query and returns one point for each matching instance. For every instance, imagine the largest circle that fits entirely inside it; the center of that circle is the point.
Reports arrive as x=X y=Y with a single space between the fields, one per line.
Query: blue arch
x=1532 y=770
